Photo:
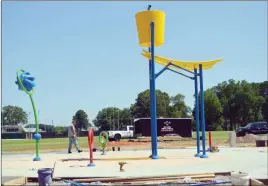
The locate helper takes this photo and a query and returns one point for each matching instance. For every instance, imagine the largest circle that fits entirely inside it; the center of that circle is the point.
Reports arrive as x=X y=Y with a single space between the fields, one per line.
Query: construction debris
x=248 y=138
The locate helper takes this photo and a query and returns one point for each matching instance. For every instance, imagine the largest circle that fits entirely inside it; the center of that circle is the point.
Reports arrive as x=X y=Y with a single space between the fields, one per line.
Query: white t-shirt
x=71 y=131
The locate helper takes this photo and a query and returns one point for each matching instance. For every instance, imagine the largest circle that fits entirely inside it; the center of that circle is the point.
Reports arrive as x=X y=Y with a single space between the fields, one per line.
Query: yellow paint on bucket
x=143 y=22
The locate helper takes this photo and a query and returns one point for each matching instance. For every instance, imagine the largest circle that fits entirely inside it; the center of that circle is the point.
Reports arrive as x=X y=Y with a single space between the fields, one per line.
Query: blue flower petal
x=28 y=84
x=30 y=78
x=27 y=81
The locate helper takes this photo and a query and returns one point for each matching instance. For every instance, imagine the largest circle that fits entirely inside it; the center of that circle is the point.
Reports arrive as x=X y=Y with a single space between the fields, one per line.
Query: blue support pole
x=197 y=114
x=202 y=113
x=163 y=70
x=153 y=99
x=151 y=89
x=151 y=93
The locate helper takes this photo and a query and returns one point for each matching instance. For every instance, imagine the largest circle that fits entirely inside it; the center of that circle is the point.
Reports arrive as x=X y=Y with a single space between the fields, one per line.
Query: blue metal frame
x=163 y=70
x=167 y=68
x=202 y=112
x=183 y=69
x=197 y=114
x=150 y=81
x=153 y=99
x=153 y=76
x=181 y=74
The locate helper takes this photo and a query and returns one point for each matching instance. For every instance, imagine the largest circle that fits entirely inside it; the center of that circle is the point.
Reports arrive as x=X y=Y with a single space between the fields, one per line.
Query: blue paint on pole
x=197 y=114
x=151 y=89
x=153 y=99
x=202 y=112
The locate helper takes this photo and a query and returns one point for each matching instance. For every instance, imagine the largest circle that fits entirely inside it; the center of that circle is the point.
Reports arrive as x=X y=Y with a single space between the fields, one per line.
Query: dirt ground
x=169 y=144
x=139 y=144
x=161 y=145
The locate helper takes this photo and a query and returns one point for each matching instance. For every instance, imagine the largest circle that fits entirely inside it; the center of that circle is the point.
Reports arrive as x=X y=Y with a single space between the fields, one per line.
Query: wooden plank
x=155 y=183
x=206 y=175
x=17 y=181
x=163 y=180
x=254 y=182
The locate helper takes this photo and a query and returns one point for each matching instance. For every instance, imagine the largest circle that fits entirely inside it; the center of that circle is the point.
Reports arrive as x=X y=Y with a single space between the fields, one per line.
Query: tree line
x=228 y=105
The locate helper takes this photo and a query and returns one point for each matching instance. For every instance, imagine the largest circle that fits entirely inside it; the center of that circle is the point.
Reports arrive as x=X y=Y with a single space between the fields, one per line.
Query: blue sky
x=85 y=55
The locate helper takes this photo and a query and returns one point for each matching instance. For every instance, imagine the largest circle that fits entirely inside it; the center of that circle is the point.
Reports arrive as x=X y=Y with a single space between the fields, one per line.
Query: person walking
x=73 y=138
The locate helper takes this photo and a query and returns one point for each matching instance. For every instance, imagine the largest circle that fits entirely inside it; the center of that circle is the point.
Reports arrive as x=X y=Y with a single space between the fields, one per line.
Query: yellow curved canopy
x=189 y=65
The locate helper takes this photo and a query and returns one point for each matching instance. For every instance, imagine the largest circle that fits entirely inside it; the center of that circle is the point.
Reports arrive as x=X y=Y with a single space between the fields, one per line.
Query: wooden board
x=254 y=182
x=167 y=177
x=17 y=181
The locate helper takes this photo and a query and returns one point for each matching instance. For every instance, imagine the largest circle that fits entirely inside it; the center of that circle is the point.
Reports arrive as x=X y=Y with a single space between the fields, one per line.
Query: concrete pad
x=178 y=161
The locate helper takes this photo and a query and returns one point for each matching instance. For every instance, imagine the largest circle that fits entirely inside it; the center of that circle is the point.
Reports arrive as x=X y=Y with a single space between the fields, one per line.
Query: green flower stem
x=30 y=93
x=36 y=125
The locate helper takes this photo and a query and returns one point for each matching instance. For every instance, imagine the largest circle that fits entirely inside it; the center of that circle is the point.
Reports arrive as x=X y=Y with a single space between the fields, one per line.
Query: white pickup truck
x=119 y=134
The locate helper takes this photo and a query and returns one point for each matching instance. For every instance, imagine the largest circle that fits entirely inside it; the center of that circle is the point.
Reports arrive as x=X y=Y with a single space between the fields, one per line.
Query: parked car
x=253 y=128
x=117 y=135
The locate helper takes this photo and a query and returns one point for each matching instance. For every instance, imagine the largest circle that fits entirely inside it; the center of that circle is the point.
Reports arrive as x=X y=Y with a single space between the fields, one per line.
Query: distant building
x=12 y=128
x=20 y=128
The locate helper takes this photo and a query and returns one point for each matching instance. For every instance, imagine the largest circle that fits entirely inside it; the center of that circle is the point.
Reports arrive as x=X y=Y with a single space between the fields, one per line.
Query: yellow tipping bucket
x=143 y=22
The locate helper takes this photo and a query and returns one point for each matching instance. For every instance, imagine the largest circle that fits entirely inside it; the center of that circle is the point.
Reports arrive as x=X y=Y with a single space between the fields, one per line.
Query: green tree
x=213 y=111
x=178 y=108
x=125 y=117
x=249 y=103
x=265 y=109
x=226 y=91
x=141 y=108
x=81 y=118
x=13 y=115
x=59 y=130
x=242 y=102
x=111 y=118
x=258 y=103
x=264 y=92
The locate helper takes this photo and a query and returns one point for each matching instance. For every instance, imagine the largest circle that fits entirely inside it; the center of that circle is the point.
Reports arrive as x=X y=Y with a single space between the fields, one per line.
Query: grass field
x=61 y=144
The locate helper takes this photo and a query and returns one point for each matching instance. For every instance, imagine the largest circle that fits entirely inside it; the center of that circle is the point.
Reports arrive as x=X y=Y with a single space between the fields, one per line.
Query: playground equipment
x=209 y=141
x=90 y=147
x=26 y=83
x=151 y=27
x=103 y=140
x=211 y=148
